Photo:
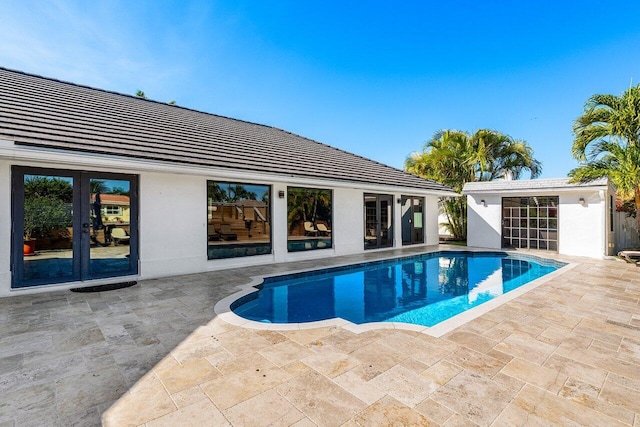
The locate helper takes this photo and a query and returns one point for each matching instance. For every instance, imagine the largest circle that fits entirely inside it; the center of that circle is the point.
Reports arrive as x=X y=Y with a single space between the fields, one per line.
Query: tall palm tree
x=454 y=158
x=498 y=155
x=444 y=160
x=607 y=143
x=98 y=186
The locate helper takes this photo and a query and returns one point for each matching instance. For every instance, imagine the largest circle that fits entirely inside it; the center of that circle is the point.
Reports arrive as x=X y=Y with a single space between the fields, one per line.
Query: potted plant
x=42 y=214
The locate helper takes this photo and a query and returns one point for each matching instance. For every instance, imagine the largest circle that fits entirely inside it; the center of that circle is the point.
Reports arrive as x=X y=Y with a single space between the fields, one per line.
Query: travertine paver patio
x=566 y=353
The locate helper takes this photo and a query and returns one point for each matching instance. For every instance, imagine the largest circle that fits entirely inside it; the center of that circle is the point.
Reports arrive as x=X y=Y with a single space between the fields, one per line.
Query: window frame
x=237 y=244
x=309 y=246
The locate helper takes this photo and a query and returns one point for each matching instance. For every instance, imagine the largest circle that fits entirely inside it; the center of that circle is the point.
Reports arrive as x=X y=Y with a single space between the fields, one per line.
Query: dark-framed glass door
x=378 y=221
x=72 y=226
x=530 y=222
x=412 y=210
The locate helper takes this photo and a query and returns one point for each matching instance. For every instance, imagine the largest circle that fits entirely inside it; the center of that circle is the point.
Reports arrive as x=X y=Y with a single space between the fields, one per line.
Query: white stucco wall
x=431 y=220
x=581 y=227
x=484 y=223
x=348 y=221
x=5 y=226
x=173 y=222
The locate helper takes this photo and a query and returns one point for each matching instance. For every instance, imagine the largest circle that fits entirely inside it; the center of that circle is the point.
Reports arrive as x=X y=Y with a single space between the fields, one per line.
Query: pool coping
x=223 y=307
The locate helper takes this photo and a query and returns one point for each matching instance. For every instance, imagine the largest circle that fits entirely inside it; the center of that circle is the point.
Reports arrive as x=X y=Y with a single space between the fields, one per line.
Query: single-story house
x=543 y=214
x=115 y=207
x=181 y=191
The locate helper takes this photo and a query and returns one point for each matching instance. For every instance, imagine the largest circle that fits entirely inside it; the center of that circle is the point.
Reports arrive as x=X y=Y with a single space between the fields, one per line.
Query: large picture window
x=309 y=212
x=238 y=219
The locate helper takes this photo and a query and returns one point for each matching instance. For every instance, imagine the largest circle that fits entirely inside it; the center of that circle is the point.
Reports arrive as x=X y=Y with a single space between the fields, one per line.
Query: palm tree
x=454 y=158
x=444 y=160
x=498 y=155
x=240 y=193
x=607 y=143
x=98 y=186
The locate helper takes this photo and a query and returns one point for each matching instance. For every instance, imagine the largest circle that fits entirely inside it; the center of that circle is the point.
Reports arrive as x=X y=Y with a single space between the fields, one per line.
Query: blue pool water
x=423 y=290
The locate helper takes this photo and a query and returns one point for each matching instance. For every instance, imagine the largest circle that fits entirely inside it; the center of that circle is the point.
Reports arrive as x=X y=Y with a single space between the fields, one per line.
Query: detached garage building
x=542 y=214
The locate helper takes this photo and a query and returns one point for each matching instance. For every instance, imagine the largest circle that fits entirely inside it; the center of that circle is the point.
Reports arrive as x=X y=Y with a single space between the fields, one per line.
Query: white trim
x=545 y=191
x=8 y=150
x=223 y=307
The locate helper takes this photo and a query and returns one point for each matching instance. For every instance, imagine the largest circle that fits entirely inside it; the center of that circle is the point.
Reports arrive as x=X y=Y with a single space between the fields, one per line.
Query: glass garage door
x=530 y=223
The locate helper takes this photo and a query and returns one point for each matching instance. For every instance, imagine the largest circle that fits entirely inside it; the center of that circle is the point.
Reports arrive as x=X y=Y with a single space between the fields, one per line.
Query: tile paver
x=566 y=352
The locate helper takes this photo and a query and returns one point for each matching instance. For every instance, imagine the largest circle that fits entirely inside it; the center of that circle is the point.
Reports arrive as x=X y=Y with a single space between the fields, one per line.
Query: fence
x=627 y=235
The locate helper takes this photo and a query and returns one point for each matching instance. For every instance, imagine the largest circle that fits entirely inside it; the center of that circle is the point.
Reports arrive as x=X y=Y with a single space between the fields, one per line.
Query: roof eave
x=9 y=150
x=537 y=190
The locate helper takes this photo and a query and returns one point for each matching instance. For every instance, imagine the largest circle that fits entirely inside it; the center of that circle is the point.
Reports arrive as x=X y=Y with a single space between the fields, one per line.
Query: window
x=309 y=212
x=378 y=221
x=238 y=219
x=111 y=210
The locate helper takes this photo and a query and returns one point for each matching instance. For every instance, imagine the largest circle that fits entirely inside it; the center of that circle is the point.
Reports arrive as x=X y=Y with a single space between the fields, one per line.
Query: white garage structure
x=542 y=214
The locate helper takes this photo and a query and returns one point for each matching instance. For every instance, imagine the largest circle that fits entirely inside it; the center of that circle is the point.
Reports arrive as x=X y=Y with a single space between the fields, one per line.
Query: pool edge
x=223 y=307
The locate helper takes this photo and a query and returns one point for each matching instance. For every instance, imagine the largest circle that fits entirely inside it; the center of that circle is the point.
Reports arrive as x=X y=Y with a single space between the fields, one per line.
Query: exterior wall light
x=483 y=203
x=581 y=201
x=281 y=194
x=399 y=200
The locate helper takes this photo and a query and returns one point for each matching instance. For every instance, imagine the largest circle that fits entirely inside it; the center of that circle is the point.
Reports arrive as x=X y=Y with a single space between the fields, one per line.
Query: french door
x=70 y=226
x=378 y=221
x=412 y=220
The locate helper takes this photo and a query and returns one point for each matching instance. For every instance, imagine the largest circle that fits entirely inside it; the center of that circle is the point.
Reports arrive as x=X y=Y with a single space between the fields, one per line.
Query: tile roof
x=112 y=199
x=43 y=112
x=528 y=184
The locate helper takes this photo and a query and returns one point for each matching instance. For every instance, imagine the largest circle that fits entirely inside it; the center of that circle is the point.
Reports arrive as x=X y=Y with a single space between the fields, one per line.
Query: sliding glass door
x=72 y=226
x=378 y=221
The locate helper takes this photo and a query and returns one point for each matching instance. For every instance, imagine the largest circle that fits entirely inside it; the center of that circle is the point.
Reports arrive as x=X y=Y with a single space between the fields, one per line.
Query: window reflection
x=110 y=225
x=47 y=228
x=309 y=212
x=238 y=219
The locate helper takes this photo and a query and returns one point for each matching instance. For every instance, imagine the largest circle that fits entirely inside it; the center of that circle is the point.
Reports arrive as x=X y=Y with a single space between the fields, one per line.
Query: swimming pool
x=422 y=290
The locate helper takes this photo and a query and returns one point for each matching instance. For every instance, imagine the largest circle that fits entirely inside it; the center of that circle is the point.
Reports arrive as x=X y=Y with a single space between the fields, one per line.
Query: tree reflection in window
x=309 y=219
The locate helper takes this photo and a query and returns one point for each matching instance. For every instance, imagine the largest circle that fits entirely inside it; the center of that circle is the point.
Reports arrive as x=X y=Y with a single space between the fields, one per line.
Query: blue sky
x=374 y=78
